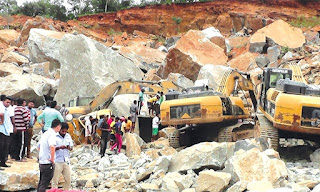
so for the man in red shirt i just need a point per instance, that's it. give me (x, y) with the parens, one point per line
(21, 119)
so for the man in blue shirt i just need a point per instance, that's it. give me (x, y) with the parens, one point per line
(5, 127)
(62, 166)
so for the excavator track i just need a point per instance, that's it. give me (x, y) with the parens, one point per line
(238, 131)
(267, 130)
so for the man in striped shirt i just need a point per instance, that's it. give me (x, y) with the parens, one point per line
(21, 118)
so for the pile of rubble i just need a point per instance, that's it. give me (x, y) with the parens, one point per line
(244, 165)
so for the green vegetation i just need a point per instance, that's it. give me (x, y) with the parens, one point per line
(177, 20)
(114, 32)
(302, 21)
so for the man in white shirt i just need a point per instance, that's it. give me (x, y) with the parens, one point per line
(62, 165)
(88, 129)
(155, 127)
(47, 149)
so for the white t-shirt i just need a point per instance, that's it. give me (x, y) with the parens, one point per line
(155, 122)
(11, 114)
(47, 139)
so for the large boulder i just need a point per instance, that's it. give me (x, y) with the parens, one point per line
(213, 73)
(37, 22)
(8, 36)
(91, 66)
(20, 176)
(212, 181)
(254, 165)
(132, 145)
(244, 62)
(190, 53)
(279, 32)
(202, 155)
(121, 104)
(144, 57)
(215, 37)
(28, 86)
(44, 45)
(180, 80)
(14, 57)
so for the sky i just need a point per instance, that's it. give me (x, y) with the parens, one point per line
(20, 2)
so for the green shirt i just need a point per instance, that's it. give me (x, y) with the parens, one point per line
(48, 115)
(141, 96)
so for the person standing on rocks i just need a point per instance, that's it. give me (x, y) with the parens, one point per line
(133, 112)
(140, 101)
(48, 115)
(118, 135)
(64, 111)
(105, 135)
(33, 119)
(47, 149)
(5, 128)
(21, 119)
(155, 127)
(128, 125)
(62, 163)
(88, 129)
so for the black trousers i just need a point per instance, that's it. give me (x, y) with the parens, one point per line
(19, 143)
(4, 148)
(46, 174)
(105, 137)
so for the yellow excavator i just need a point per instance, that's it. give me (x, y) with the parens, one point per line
(202, 114)
(286, 103)
(81, 107)
(289, 106)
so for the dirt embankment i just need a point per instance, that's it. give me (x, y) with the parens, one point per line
(227, 16)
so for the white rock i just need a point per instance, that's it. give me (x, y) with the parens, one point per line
(211, 32)
(204, 154)
(254, 165)
(180, 80)
(213, 73)
(212, 181)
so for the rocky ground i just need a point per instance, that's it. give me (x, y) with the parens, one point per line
(247, 165)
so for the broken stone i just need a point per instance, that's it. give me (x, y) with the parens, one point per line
(206, 154)
(144, 57)
(171, 41)
(254, 165)
(180, 80)
(244, 62)
(273, 54)
(8, 36)
(132, 145)
(281, 33)
(14, 57)
(213, 73)
(261, 186)
(176, 182)
(215, 37)
(212, 181)
(190, 53)
(262, 61)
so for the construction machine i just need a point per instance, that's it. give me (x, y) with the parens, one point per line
(82, 107)
(286, 104)
(202, 114)
(290, 107)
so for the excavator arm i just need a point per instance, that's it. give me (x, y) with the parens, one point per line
(107, 94)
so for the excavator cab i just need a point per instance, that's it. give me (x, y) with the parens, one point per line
(270, 78)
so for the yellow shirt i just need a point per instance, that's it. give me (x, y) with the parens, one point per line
(153, 99)
(129, 125)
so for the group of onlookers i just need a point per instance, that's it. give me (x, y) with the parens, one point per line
(16, 129)
(112, 128)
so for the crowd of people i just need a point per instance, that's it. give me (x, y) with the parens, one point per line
(17, 119)
(16, 129)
